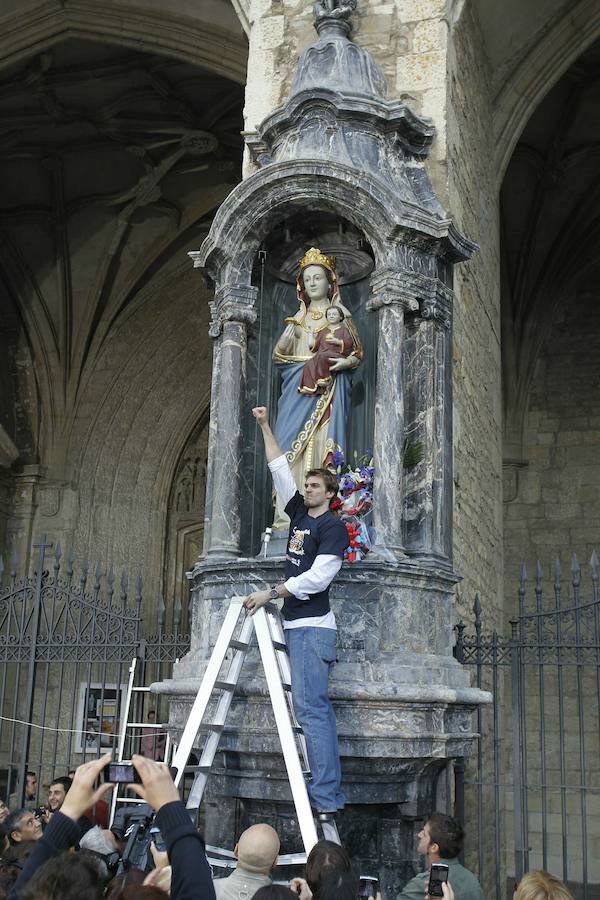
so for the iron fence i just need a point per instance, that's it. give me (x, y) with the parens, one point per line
(67, 640)
(533, 785)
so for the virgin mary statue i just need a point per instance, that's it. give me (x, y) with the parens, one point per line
(311, 424)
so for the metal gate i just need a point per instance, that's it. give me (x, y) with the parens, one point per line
(66, 643)
(530, 796)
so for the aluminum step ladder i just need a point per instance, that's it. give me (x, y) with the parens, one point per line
(126, 728)
(266, 623)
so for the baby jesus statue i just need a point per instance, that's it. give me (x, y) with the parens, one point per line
(331, 343)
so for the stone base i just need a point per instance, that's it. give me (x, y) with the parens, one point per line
(403, 707)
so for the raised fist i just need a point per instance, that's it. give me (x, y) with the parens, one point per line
(261, 414)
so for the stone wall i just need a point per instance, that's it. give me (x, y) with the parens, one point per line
(553, 502)
(477, 363)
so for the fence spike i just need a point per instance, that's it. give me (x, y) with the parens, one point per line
(124, 586)
(97, 576)
(70, 562)
(557, 572)
(110, 582)
(161, 611)
(57, 556)
(1, 568)
(523, 576)
(13, 564)
(138, 589)
(177, 611)
(538, 574)
(477, 611)
(575, 570)
(594, 565)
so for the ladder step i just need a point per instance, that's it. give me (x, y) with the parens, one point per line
(193, 769)
(225, 685)
(239, 645)
(140, 690)
(279, 645)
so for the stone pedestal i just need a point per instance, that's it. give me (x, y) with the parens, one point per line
(403, 707)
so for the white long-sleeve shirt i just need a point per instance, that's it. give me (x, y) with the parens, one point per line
(324, 568)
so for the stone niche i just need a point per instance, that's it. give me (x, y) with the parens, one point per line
(340, 167)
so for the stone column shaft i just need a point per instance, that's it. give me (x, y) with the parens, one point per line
(429, 423)
(233, 310)
(225, 442)
(389, 430)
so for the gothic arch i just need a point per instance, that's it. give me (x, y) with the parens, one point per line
(550, 228)
(537, 72)
(221, 48)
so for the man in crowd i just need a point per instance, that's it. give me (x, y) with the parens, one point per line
(30, 787)
(57, 792)
(22, 825)
(256, 854)
(440, 841)
(14, 800)
(315, 551)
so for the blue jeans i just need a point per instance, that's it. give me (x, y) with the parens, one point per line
(312, 657)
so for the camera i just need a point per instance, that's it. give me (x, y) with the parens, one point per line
(40, 811)
(134, 825)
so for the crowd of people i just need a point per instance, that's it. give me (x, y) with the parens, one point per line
(56, 852)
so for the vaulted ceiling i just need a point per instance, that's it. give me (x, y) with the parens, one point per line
(112, 163)
(550, 224)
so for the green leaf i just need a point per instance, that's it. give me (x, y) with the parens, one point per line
(413, 454)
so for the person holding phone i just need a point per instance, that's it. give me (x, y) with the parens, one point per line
(440, 842)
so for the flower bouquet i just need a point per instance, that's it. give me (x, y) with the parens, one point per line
(354, 501)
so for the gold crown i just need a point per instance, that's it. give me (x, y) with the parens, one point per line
(314, 257)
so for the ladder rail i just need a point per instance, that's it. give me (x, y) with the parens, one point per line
(285, 731)
(211, 743)
(278, 636)
(123, 735)
(203, 696)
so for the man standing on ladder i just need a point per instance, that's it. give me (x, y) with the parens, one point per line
(315, 551)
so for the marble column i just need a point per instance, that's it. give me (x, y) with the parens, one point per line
(388, 297)
(429, 423)
(233, 311)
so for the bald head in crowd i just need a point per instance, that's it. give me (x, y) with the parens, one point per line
(257, 849)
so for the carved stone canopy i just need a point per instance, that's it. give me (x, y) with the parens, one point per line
(337, 148)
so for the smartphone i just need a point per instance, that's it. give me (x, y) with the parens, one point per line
(122, 773)
(157, 839)
(437, 875)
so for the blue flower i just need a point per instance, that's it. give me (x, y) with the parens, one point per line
(338, 458)
(347, 483)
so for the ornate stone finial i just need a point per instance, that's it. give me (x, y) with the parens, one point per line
(314, 257)
(334, 63)
(333, 16)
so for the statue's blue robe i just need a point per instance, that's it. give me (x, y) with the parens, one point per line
(294, 410)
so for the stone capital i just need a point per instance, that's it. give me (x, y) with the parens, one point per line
(232, 303)
(439, 307)
(392, 287)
